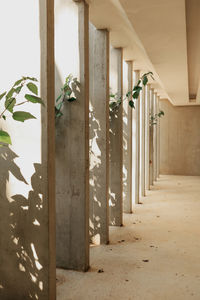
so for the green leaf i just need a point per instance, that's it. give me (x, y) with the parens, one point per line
(22, 116)
(33, 88)
(112, 96)
(58, 106)
(4, 117)
(128, 94)
(112, 105)
(18, 82)
(136, 95)
(9, 104)
(71, 99)
(59, 97)
(5, 138)
(131, 103)
(32, 78)
(145, 80)
(10, 93)
(18, 89)
(2, 95)
(34, 99)
(137, 88)
(68, 92)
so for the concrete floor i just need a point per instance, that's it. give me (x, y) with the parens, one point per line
(156, 255)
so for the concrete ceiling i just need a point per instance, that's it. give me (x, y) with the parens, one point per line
(154, 34)
(193, 48)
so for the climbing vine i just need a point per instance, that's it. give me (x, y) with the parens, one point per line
(154, 118)
(131, 96)
(11, 102)
(67, 93)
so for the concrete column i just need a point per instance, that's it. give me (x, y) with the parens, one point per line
(147, 137)
(158, 140)
(151, 140)
(136, 145)
(127, 139)
(116, 146)
(27, 182)
(99, 135)
(142, 142)
(155, 139)
(72, 137)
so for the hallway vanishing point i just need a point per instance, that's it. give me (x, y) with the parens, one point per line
(155, 255)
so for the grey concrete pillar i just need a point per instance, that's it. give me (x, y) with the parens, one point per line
(158, 140)
(99, 135)
(155, 139)
(27, 175)
(116, 145)
(127, 139)
(142, 142)
(72, 140)
(147, 137)
(136, 145)
(151, 140)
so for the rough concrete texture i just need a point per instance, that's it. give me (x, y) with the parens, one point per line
(72, 138)
(142, 142)
(154, 256)
(147, 137)
(151, 142)
(136, 144)
(158, 140)
(115, 139)
(127, 138)
(179, 140)
(155, 99)
(99, 135)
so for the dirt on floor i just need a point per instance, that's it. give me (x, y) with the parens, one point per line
(154, 256)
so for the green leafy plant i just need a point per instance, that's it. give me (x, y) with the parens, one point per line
(131, 96)
(154, 118)
(11, 102)
(68, 91)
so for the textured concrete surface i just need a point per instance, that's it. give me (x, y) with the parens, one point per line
(115, 139)
(142, 142)
(155, 140)
(72, 138)
(136, 144)
(154, 256)
(99, 135)
(179, 140)
(127, 138)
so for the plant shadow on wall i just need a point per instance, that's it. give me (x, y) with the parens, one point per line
(115, 105)
(97, 181)
(66, 120)
(22, 224)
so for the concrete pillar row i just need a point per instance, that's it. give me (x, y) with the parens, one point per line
(99, 135)
(151, 139)
(136, 144)
(155, 138)
(72, 139)
(127, 139)
(147, 137)
(115, 139)
(158, 139)
(142, 142)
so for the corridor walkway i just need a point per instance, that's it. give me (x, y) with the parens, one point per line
(155, 256)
